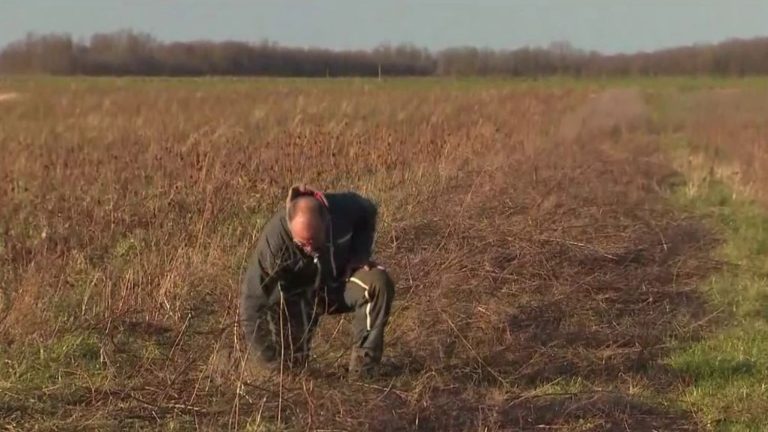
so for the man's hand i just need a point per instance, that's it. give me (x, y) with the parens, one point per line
(360, 265)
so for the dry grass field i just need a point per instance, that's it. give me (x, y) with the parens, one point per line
(552, 273)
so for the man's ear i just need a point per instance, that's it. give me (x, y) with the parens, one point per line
(294, 192)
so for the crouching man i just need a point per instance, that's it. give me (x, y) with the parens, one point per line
(314, 258)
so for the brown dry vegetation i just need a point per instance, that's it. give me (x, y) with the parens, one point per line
(540, 277)
(730, 129)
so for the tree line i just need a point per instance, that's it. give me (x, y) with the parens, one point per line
(131, 53)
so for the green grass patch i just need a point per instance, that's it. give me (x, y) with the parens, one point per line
(37, 365)
(33, 83)
(37, 379)
(728, 369)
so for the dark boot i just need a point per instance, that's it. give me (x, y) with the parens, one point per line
(280, 337)
(362, 364)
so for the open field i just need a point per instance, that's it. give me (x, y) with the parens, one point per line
(570, 255)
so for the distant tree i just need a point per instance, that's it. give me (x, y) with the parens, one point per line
(130, 53)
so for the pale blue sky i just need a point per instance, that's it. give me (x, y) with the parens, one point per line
(606, 25)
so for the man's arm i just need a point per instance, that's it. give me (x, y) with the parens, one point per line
(363, 232)
(261, 284)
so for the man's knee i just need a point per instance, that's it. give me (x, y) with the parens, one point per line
(380, 281)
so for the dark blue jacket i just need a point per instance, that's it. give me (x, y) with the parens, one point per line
(279, 265)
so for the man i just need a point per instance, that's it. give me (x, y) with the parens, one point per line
(314, 258)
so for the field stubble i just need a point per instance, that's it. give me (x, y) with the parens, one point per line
(540, 277)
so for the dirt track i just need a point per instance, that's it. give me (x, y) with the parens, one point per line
(605, 112)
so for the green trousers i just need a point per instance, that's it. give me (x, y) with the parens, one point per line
(283, 332)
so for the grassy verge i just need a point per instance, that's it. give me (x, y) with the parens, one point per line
(728, 369)
(33, 84)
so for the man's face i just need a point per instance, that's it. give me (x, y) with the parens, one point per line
(307, 227)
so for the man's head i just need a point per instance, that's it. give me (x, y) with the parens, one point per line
(306, 222)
